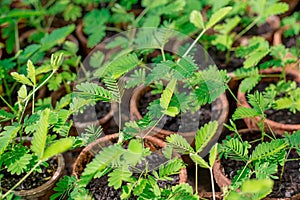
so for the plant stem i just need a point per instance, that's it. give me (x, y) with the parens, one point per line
(33, 96)
(153, 126)
(285, 160)
(196, 178)
(141, 15)
(212, 183)
(23, 179)
(113, 29)
(248, 28)
(121, 135)
(248, 162)
(163, 54)
(193, 44)
(38, 87)
(7, 104)
(232, 94)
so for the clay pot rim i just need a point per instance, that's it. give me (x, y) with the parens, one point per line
(279, 127)
(142, 89)
(49, 184)
(222, 180)
(183, 172)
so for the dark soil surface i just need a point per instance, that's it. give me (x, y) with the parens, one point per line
(183, 122)
(219, 57)
(283, 116)
(35, 180)
(287, 187)
(290, 41)
(101, 191)
(92, 113)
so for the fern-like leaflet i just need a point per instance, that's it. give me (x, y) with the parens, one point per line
(235, 149)
(268, 150)
(94, 91)
(102, 161)
(205, 134)
(179, 144)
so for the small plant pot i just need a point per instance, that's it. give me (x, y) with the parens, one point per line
(93, 148)
(279, 128)
(220, 113)
(46, 190)
(222, 179)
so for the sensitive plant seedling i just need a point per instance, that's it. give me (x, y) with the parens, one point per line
(203, 137)
(18, 158)
(208, 84)
(262, 162)
(254, 53)
(260, 11)
(119, 162)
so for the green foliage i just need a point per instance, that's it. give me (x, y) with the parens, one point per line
(294, 140)
(217, 16)
(235, 149)
(137, 78)
(252, 190)
(5, 116)
(56, 147)
(292, 22)
(119, 66)
(179, 144)
(91, 134)
(210, 84)
(268, 151)
(118, 175)
(205, 134)
(257, 101)
(38, 143)
(94, 91)
(101, 161)
(167, 95)
(172, 167)
(9, 133)
(64, 187)
(94, 25)
(56, 37)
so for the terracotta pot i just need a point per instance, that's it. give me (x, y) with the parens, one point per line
(209, 195)
(275, 126)
(220, 113)
(88, 153)
(223, 181)
(82, 38)
(44, 191)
